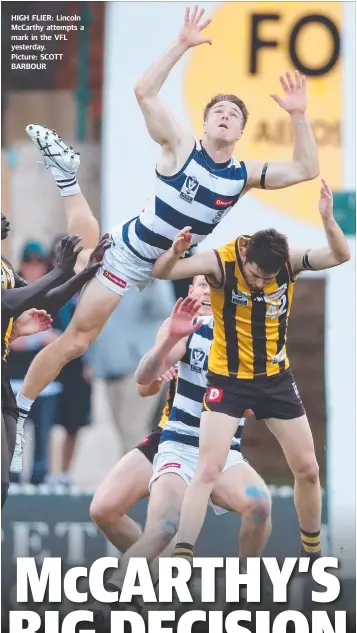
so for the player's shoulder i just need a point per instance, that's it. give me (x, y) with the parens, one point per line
(206, 325)
(227, 252)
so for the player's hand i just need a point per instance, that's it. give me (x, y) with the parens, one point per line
(182, 316)
(168, 375)
(295, 99)
(32, 322)
(326, 202)
(191, 32)
(182, 241)
(67, 252)
(96, 257)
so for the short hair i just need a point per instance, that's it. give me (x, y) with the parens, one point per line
(233, 99)
(269, 250)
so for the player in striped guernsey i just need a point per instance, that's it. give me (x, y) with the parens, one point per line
(187, 341)
(197, 183)
(252, 281)
(128, 481)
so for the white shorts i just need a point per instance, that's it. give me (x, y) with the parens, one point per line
(181, 459)
(122, 270)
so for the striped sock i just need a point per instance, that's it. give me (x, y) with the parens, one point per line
(184, 550)
(311, 543)
(66, 182)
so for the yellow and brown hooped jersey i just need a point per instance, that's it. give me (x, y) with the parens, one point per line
(250, 328)
(169, 401)
(8, 282)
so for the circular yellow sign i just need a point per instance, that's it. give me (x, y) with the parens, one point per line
(254, 43)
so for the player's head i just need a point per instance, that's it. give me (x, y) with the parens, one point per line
(224, 119)
(5, 227)
(200, 291)
(263, 256)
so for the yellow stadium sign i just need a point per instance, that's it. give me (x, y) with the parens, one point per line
(255, 42)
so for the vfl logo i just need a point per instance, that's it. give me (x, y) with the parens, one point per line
(197, 361)
(239, 298)
(189, 189)
(214, 394)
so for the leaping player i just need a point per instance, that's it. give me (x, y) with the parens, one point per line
(193, 177)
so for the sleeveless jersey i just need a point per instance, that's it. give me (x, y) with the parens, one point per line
(7, 281)
(183, 424)
(199, 195)
(250, 327)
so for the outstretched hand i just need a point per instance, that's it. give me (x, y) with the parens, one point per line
(191, 32)
(182, 241)
(326, 202)
(96, 257)
(32, 322)
(181, 318)
(295, 98)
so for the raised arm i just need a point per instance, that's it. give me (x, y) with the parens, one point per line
(170, 344)
(59, 296)
(335, 253)
(171, 265)
(17, 300)
(176, 141)
(304, 164)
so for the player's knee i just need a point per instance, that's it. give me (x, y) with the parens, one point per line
(308, 470)
(75, 343)
(258, 504)
(103, 513)
(168, 528)
(208, 472)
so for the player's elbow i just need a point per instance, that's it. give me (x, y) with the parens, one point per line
(142, 91)
(345, 255)
(142, 390)
(310, 171)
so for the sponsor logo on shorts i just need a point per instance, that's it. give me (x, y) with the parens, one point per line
(145, 441)
(239, 298)
(170, 465)
(214, 394)
(116, 280)
(296, 390)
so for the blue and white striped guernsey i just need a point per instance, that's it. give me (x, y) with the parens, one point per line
(184, 420)
(199, 195)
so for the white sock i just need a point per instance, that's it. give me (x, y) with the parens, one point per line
(24, 405)
(66, 182)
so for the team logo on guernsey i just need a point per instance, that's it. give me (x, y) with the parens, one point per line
(197, 360)
(189, 189)
(239, 298)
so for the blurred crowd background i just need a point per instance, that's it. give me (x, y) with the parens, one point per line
(91, 415)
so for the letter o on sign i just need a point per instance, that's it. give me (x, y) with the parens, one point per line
(331, 27)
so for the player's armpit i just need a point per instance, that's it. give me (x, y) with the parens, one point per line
(277, 174)
(162, 126)
(320, 258)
